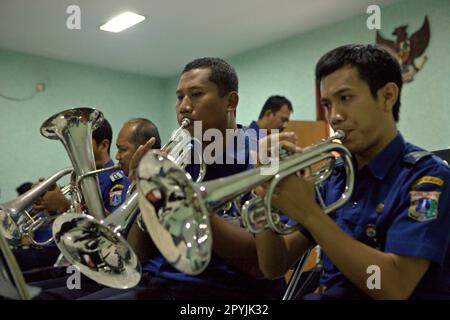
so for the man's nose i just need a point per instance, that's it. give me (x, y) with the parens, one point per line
(185, 105)
(336, 116)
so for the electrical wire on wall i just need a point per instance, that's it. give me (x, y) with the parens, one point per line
(40, 87)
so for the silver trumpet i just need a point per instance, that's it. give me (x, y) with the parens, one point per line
(32, 222)
(180, 147)
(176, 210)
(98, 246)
(13, 213)
(257, 213)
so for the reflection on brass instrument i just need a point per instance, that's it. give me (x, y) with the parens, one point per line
(32, 221)
(13, 213)
(180, 147)
(98, 247)
(176, 210)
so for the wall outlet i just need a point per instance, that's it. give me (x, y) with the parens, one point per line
(40, 87)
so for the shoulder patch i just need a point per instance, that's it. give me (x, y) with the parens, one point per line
(424, 205)
(115, 196)
(428, 179)
(416, 156)
(116, 176)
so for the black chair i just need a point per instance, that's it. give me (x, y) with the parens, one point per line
(444, 154)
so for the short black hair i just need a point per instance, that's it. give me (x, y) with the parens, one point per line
(144, 130)
(274, 104)
(24, 187)
(222, 74)
(376, 66)
(103, 132)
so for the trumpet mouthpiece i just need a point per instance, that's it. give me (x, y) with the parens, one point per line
(339, 134)
(185, 122)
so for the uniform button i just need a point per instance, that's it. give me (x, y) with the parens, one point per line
(354, 204)
(379, 208)
(371, 231)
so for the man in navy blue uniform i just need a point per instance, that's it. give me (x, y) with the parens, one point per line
(274, 114)
(113, 187)
(207, 92)
(391, 240)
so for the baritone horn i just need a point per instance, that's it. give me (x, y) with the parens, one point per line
(74, 127)
(98, 246)
(32, 224)
(12, 212)
(176, 210)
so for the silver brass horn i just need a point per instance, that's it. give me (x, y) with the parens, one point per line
(13, 211)
(74, 129)
(258, 215)
(180, 146)
(100, 253)
(176, 210)
(98, 247)
(32, 224)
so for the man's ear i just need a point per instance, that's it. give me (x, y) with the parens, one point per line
(104, 145)
(267, 113)
(233, 100)
(389, 94)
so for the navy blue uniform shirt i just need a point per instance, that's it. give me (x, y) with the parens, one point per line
(113, 187)
(400, 205)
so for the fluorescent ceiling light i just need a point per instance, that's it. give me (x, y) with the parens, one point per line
(122, 21)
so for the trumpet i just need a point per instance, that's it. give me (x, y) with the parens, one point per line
(13, 211)
(180, 146)
(32, 223)
(176, 210)
(98, 246)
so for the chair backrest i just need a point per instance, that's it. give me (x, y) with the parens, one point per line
(12, 283)
(443, 154)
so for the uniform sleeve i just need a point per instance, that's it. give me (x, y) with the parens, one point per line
(117, 194)
(422, 226)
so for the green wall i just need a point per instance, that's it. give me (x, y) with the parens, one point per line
(26, 155)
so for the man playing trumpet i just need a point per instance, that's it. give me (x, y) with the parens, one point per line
(391, 240)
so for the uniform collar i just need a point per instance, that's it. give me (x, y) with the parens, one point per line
(254, 125)
(110, 163)
(383, 162)
(234, 160)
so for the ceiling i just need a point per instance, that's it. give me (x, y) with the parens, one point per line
(175, 31)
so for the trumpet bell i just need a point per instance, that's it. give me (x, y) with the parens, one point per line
(175, 218)
(100, 253)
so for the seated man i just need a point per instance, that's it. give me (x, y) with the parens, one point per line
(113, 187)
(207, 93)
(274, 115)
(391, 240)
